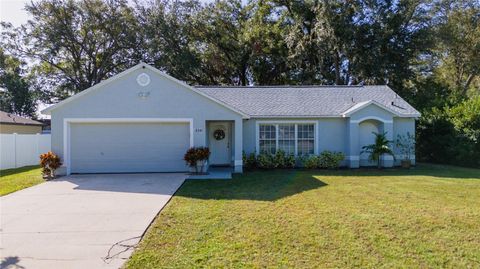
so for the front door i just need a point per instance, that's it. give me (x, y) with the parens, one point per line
(219, 143)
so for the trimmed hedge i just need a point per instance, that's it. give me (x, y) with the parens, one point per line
(326, 160)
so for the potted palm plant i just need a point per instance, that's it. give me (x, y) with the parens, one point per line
(406, 145)
(379, 148)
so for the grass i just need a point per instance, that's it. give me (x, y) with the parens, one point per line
(422, 218)
(12, 180)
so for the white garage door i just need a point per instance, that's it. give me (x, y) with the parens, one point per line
(128, 147)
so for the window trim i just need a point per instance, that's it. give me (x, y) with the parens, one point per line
(296, 122)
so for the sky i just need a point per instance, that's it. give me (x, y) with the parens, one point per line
(12, 11)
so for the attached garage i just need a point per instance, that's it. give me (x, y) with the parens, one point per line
(127, 146)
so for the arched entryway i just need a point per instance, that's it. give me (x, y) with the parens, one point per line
(366, 130)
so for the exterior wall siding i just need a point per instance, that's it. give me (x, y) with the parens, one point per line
(333, 134)
(372, 111)
(20, 129)
(402, 126)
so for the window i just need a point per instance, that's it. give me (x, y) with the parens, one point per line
(286, 138)
(268, 142)
(297, 139)
(306, 140)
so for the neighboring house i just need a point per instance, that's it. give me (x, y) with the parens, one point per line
(10, 123)
(46, 129)
(143, 120)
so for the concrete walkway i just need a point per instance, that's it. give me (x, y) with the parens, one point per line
(215, 173)
(81, 221)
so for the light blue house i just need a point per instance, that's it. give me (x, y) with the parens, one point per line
(143, 120)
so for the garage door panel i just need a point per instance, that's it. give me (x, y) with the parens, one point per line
(128, 147)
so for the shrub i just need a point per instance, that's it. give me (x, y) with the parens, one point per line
(300, 161)
(195, 155)
(265, 161)
(406, 145)
(203, 153)
(290, 161)
(311, 162)
(327, 159)
(279, 159)
(249, 161)
(330, 159)
(49, 162)
(451, 135)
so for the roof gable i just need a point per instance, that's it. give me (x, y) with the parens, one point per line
(130, 70)
(365, 104)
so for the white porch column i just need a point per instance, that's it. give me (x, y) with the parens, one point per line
(238, 162)
(387, 160)
(353, 157)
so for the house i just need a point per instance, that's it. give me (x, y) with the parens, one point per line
(46, 126)
(10, 124)
(143, 120)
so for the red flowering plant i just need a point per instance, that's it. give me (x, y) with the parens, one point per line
(49, 162)
(197, 156)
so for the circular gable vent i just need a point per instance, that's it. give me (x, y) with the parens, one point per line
(143, 79)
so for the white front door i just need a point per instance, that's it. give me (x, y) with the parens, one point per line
(219, 143)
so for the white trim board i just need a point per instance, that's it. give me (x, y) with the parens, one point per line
(68, 121)
(371, 118)
(128, 71)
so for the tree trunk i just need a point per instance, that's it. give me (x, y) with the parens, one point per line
(467, 84)
(338, 80)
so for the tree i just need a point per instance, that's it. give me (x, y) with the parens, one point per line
(348, 42)
(16, 96)
(225, 51)
(265, 32)
(76, 44)
(379, 148)
(451, 135)
(459, 46)
(169, 42)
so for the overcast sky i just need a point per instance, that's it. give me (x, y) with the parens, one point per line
(13, 11)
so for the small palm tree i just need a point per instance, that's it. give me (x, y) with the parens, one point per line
(379, 148)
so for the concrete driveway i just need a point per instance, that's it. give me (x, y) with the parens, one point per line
(81, 221)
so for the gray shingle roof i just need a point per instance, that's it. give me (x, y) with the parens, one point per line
(8, 118)
(306, 101)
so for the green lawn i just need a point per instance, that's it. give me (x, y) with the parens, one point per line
(19, 178)
(422, 218)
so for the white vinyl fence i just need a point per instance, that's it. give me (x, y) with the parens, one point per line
(19, 150)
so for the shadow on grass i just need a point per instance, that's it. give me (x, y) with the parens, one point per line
(276, 184)
(256, 185)
(11, 263)
(422, 169)
(8, 172)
